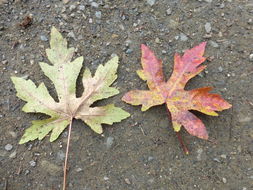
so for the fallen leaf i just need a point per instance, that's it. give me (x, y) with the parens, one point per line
(63, 73)
(172, 93)
(26, 22)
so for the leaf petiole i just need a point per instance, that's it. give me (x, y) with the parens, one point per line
(184, 147)
(186, 151)
(66, 157)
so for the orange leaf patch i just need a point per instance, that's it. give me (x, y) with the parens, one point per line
(178, 100)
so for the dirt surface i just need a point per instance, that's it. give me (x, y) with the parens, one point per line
(141, 152)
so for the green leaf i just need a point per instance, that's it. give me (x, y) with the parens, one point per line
(63, 73)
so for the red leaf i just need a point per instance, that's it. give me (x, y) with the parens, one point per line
(178, 100)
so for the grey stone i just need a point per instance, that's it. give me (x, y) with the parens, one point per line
(113, 55)
(150, 158)
(98, 14)
(8, 147)
(251, 57)
(157, 40)
(13, 154)
(12, 133)
(213, 44)
(43, 38)
(168, 11)
(81, 7)
(183, 37)
(208, 27)
(220, 69)
(216, 160)
(4, 62)
(199, 153)
(151, 2)
(79, 169)
(94, 4)
(128, 51)
(32, 163)
(72, 7)
(109, 142)
(27, 172)
(71, 35)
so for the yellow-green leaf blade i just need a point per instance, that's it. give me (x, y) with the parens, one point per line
(96, 116)
(98, 87)
(64, 77)
(38, 99)
(58, 53)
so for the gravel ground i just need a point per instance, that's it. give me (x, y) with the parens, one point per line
(141, 152)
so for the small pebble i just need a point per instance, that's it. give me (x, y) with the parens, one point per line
(222, 5)
(164, 52)
(106, 178)
(224, 180)
(183, 37)
(128, 51)
(79, 169)
(12, 133)
(32, 163)
(199, 153)
(98, 14)
(113, 55)
(208, 27)
(109, 142)
(81, 7)
(251, 57)
(94, 4)
(127, 181)
(72, 7)
(43, 38)
(224, 156)
(213, 44)
(71, 35)
(168, 11)
(13, 154)
(27, 172)
(8, 147)
(150, 158)
(216, 160)
(151, 2)
(4, 62)
(220, 69)
(157, 40)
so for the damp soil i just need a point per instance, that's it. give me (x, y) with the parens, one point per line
(141, 152)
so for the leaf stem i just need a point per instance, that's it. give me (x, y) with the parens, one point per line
(186, 151)
(66, 157)
(184, 147)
